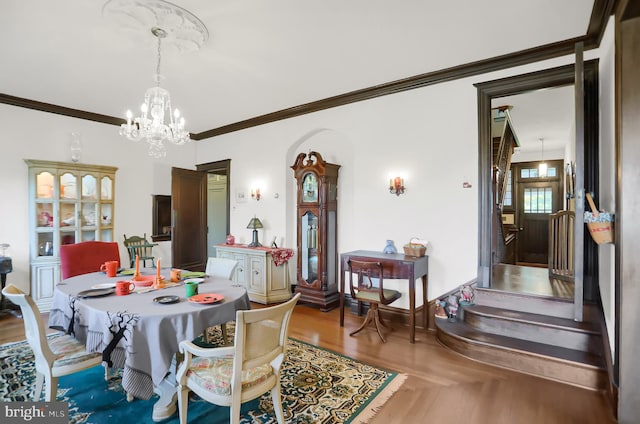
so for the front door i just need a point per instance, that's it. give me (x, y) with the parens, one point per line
(537, 198)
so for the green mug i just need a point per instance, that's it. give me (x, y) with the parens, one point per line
(191, 289)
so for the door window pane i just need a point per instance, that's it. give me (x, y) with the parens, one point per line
(538, 200)
(507, 195)
(533, 172)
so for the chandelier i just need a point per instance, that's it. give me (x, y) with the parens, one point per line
(158, 122)
(150, 125)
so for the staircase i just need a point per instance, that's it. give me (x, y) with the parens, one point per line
(531, 334)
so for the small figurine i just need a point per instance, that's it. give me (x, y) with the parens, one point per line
(467, 295)
(453, 305)
(440, 312)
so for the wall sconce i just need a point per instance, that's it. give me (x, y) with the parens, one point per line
(396, 186)
(255, 194)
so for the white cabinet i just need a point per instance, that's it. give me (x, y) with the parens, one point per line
(68, 203)
(265, 282)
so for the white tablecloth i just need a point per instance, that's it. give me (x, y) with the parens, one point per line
(135, 333)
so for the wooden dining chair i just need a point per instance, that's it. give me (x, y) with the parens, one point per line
(232, 375)
(368, 287)
(86, 257)
(62, 355)
(222, 268)
(140, 247)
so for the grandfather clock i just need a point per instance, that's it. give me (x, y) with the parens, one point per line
(317, 224)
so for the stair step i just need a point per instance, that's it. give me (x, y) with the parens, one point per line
(539, 328)
(569, 366)
(537, 304)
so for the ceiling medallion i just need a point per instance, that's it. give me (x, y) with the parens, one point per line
(183, 29)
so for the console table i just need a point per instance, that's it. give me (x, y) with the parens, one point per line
(395, 266)
(263, 271)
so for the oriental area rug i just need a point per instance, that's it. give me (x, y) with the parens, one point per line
(318, 386)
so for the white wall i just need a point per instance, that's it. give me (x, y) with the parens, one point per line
(429, 134)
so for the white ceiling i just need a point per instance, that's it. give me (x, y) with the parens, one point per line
(262, 56)
(544, 114)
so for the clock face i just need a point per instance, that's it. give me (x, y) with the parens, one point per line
(310, 188)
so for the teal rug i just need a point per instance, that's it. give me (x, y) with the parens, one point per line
(318, 386)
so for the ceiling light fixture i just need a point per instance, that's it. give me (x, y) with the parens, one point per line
(150, 125)
(542, 167)
(181, 29)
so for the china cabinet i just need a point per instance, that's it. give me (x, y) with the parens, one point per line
(317, 222)
(68, 203)
(256, 271)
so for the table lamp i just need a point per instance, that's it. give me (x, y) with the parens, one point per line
(254, 224)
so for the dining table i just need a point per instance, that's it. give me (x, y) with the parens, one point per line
(140, 332)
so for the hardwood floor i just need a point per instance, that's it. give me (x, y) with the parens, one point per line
(531, 280)
(442, 386)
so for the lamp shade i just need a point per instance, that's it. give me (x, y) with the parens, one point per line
(254, 223)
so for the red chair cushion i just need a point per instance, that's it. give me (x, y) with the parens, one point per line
(86, 257)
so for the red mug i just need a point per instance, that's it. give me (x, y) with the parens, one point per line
(124, 288)
(110, 267)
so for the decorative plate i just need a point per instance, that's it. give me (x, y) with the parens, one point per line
(194, 280)
(96, 292)
(104, 286)
(206, 298)
(166, 300)
(144, 280)
(126, 271)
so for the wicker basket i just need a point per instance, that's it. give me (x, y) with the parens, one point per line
(414, 249)
(601, 232)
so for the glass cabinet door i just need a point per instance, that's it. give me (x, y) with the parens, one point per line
(68, 186)
(106, 188)
(44, 185)
(89, 187)
(309, 231)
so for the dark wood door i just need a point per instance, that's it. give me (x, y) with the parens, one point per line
(536, 200)
(189, 209)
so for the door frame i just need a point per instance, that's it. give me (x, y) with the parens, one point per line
(554, 77)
